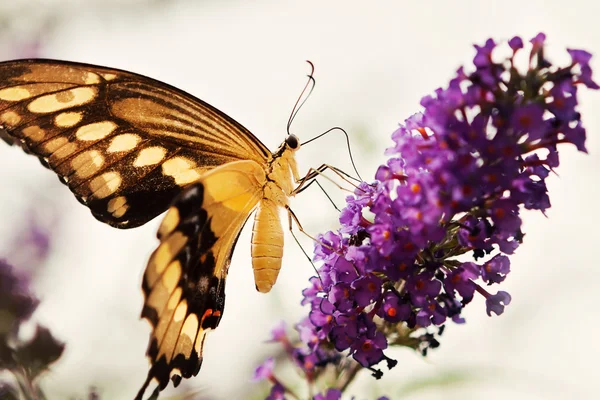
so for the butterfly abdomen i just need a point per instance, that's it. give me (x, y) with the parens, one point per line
(267, 245)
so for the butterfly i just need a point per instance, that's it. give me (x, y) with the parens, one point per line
(129, 148)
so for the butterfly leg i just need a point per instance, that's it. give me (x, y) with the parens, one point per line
(313, 173)
(291, 216)
(314, 180)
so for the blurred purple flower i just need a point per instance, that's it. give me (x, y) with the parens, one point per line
(265, 370)
(277, 393)
(25, 359)
(17, 302)
(30, 246)
(331, 394)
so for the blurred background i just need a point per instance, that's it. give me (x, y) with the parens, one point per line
(373, 64)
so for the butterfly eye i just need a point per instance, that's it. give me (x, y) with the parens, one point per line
(292, 142)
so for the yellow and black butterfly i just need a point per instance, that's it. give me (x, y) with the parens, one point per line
(129, 148)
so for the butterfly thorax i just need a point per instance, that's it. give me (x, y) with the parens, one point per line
(282, 172)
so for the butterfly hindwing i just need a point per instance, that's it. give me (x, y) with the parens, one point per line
(184, 281)
(125, 144)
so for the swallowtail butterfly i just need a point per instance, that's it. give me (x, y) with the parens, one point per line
(129, 148)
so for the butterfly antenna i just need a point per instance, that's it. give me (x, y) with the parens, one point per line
(347, 144)
(310, 85)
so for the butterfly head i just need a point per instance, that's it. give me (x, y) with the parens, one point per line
(289, 146)
(292, 142)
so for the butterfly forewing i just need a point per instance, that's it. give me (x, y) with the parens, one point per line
(125, 144)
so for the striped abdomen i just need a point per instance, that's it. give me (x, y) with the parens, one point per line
(267, 245)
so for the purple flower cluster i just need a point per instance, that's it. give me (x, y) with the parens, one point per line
(459, 174)
(279, 391)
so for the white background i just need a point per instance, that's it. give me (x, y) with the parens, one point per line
(374, 60)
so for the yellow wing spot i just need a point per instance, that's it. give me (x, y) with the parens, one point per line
(121, 211)
(109, 77)
(150, 156)
(65, 151)
(124, 142)
(180, 312)
(10, 117)
(65, 96)
(165, 313)
(68, 119)
(55, 144)
(105, 184)
(159, 298)
(190, 327)
(65, 99)
(87, 164)
(116, 203)
(171, 276)
(95, 131)
(118, 206)
(163, 255)
(172, 334)
(187, 336)
(34, 133)
(14, 94)
(60, 147)
(91, 78)
(181, 169)
(169, 223)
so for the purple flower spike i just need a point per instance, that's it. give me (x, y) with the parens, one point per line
(459, 175)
